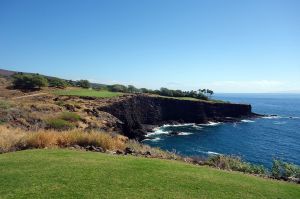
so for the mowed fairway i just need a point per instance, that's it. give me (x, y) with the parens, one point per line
(78, 174)
(87, 93)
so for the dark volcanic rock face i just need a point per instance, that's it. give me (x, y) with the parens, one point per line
(139, 111)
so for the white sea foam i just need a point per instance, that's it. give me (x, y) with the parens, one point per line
(197, 127)
(281, 117)
(184, 133)
(157, 132)
(291, 117)
(208, 152)
(155, 139)
(271, 117)
(178, 125)
(213, 153)
(248, 121)
(162, 131)
(279, 123)
(211, 124)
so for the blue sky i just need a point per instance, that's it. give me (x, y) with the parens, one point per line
(225, 45)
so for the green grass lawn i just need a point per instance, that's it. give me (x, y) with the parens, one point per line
(76, 174)
(194, 99)
(88, 93)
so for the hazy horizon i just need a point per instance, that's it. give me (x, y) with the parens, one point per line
(227, 46)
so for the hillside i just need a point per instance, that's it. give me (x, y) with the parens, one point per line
(130, 114)
(74, 174)
(7, 72)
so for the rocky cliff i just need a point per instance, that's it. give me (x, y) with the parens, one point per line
(139, 112)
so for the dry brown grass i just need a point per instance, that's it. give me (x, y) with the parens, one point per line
(13, 139)
(9, 139)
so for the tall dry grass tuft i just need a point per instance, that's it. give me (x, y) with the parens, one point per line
(104, 140)
(39, 140)
(11, 139)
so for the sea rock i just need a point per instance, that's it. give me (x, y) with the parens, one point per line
(76, 146)
(129, 150)
(119, 152)
(173, 133)
(94, 148)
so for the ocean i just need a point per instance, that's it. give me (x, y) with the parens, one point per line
(255, 140)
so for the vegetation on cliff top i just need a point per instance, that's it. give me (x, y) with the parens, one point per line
(77, 174)
(88, 93)
(36, 81)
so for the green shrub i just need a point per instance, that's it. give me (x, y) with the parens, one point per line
(236, 164)
(56, 82)
(60, 103)
(284, 170)
(132, 89)
(29, 81)
(2, 121)
(69, 116)
(59, 124)
(4, 105)
(83, 83)
(117, 88)
(276, 167)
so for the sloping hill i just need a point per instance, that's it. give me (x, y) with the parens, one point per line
(75, 174)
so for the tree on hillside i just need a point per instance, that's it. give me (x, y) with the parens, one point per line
(166, 92)
(118, 88)
(209, 92)
(71, 83)
(56, 82)
(29, 81)
(144, 90)
(132, 89)
(83, 83)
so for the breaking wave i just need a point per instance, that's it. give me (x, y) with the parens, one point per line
(280, 123)
(184, 133)
(211, 124)
(157, 132)
(272, 117)
(247, 121)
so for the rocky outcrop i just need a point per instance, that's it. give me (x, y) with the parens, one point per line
(141, 111)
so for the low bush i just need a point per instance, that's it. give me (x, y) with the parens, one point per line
(235, 164)
(4, 105)
(83, 84)
(56, 82)
(2, 121)
(69, 116)
(284, 170)
(60, 103)
(59, 124)
(155, 152)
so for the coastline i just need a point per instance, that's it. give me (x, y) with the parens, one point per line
(140, 114)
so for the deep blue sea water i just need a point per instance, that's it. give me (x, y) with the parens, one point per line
(257, 140)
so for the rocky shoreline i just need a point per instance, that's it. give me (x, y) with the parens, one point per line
(140, 114)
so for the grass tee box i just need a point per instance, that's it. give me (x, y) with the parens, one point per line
(88, 93)
(79, 174)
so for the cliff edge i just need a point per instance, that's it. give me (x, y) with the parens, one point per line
(138, 112)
